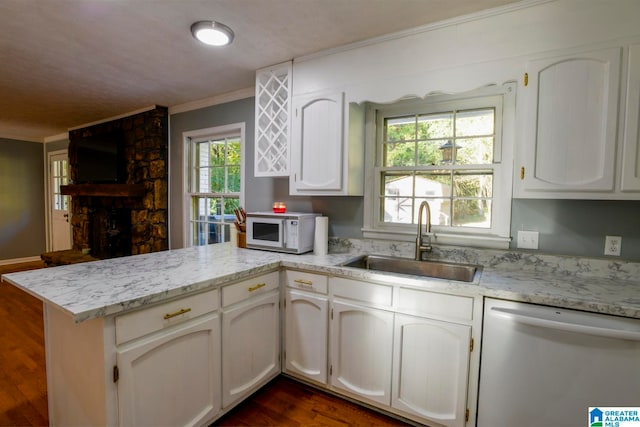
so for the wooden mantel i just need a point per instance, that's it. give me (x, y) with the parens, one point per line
(104, 190)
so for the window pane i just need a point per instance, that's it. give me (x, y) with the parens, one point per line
(233, 177)
(400, 129)
(397, 184)
(229, 206)
(397, 209)
(474, 151)
(472, 213)
(473, 183)
(475, 122)
(202, 154)
(440, 211)
(433, 126)
(217, 153)
(400, 154)
(433, 184)
(233, 152)
(202, 180)
(217, 180)
(430, 153)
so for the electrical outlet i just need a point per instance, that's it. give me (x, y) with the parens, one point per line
(612, 245)
(527, 239)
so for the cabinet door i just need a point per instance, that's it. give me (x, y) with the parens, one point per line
(250, 346)
(172, 379)
(273, 100)
(361, 340)
(630, 180)
(430, 371)
(317, 144)
(570, 123)
(306, 335)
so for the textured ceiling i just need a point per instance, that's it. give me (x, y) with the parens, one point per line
(65, 63)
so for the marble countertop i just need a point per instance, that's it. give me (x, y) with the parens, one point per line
(103, 288)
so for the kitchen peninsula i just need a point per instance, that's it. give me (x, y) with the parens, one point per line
(96, 314)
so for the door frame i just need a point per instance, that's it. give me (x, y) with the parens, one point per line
(48, 194)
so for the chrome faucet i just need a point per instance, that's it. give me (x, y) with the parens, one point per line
(420, 246)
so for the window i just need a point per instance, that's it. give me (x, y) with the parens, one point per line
(446, 150)
(59, 177)
(215, 183)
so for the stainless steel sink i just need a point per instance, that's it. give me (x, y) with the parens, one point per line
(437, 269)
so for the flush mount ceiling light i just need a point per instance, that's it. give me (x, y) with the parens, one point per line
(212, 33)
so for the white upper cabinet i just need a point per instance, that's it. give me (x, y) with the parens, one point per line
(327, 150)
(273, 120)
(570, 124)
(630, 176)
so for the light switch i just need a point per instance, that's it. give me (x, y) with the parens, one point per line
(527, 239)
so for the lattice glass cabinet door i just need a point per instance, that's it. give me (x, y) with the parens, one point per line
(273, 120)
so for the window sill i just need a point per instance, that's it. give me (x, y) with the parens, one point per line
(473, 240)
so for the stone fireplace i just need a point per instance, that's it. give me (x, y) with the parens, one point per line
(126, 218)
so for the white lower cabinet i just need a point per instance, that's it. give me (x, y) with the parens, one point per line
(251, 345)
(361, 341)
(430, 366)
(173, 378)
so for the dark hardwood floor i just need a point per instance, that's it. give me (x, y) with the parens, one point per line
(285, 402)
(23, 381)
(23, 384)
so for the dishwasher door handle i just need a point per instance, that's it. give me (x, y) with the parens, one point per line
(541, 321)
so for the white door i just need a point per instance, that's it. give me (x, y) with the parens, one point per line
(60, 232)
(430, 369)
(174, 379)
(361, 341)
(251, 343)
(306, 335)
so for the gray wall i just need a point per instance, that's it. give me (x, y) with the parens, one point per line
(22, 207)
(579, 227)
(571, 227)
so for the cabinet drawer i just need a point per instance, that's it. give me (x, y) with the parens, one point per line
(307, 281)
(442, 306)
(380, 295)
(155, 318)
(248, 288)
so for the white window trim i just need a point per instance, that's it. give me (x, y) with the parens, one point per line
(499, 236)
(213, 132)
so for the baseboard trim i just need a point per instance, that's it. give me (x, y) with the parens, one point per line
(19, 260)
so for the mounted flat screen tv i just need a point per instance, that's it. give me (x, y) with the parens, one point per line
(100, 159)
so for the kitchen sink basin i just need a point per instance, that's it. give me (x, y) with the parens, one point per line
(436, 269)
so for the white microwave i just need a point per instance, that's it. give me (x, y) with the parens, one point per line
(291, 232)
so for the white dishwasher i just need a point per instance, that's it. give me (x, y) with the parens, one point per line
(544, 366)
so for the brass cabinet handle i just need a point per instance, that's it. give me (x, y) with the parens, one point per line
(304, 282)
(256, 287)
(177, 313)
